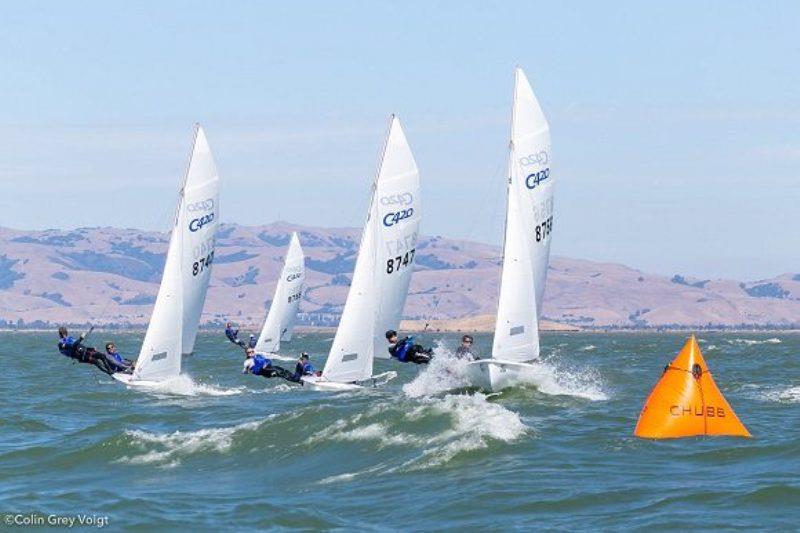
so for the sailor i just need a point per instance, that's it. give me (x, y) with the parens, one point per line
(74, 349)
(304, 368)
(252, 341)
(406, 351)
(259, 365)
(466, 351)
(233, 335)
(116, 361)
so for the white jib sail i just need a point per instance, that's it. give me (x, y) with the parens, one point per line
(288, 292)
(529, 223)
(384, 264)
(175, 318)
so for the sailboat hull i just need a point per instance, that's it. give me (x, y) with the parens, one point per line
(320, 383)
(127, 379)
(492, 375)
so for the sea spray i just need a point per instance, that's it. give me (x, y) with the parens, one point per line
(550, 376)
(184, 385)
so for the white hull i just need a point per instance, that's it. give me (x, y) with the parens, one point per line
(492, 375)
(320, 383)
(127, 379)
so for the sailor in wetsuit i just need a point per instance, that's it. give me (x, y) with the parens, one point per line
(304, 368)
(405, 351)
(74, 349)
(116, 361)
(233, 335)
(259, 365)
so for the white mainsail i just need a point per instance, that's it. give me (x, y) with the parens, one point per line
(187, 270)
(383, 267)
(288, 292)
(529, 222)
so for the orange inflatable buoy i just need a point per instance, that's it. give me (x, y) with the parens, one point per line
(686, 402)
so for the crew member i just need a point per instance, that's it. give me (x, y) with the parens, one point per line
(406, 351)
(74, 349)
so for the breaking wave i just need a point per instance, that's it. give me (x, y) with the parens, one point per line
(471, 423)
(447, 373)
(184, 385)
(789, 395)
(167, 449)
(751, 342)
(475, 423)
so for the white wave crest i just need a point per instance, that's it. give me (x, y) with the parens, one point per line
(377, 432)
(167, 449)
(471, 422)
(589, 348)
(790, 395)
(552, 378)
(184, 385)
(444, 373)
(752, 342)
(475, 423)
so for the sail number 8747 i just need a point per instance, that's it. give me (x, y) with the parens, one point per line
(399, 262)
(544, 229)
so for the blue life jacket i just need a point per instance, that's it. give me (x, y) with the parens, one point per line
(302, 369)
(232, 334)
(260, 363)
(402, 349)
(117, 357)
(67, 346)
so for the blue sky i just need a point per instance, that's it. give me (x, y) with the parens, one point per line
(676, 126)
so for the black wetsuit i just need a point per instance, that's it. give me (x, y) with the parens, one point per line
(233, 336)
(84, 354)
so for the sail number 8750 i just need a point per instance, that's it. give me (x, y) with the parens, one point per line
(397, 263)
(544, 229)
(202, 264)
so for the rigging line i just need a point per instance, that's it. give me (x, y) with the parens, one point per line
(430, 315)
(489, 192)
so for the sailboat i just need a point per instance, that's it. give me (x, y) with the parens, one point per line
(280, 320)
(173, 325)
(526, 247)
(382, 272)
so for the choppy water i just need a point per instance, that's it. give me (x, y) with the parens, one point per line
(221, 449)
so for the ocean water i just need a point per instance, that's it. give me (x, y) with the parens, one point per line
(216, 449)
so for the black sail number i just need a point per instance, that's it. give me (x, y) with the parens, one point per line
(544, 229)
(396, 264)
(202, 264)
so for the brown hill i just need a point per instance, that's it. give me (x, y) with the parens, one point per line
(111, 275)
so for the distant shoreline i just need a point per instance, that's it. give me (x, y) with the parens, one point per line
(331, 330)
